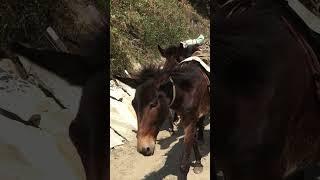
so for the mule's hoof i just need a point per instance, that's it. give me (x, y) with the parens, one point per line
(198, 169)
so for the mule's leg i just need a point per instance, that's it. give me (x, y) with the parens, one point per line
(198, 167)
(190, 129)
(171, 122)
(200, 128)
(175, 121)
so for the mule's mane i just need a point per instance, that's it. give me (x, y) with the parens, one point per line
(149, 72)
(183, 76)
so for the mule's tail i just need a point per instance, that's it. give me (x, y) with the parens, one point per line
(75, 69)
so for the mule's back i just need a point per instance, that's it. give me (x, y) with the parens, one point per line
(264, 95)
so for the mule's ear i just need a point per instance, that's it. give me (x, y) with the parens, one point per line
(161, 51)
(181, 46)
(129, 81)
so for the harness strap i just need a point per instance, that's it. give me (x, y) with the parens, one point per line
(195, 58)
(312, 60)
(173, 91)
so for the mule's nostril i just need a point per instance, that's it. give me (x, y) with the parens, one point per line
(146, 151)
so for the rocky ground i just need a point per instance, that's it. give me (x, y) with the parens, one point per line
(127, 163)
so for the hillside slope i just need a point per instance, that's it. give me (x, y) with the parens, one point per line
(138, 26)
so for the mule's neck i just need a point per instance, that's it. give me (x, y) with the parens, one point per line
(170, 64)
(168, 89)
(173, 93)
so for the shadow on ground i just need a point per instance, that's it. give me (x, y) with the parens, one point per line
(171, 166)
(166, 142)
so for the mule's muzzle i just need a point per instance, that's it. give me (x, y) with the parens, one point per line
(146, 146)
(147, 151)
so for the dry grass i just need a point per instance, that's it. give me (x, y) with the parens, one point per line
(138, 26)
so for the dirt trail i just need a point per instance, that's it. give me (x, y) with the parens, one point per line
(127, 163)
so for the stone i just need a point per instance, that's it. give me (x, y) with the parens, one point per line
(69, 95)
(115, 139)
(122, 115)
(16, 95)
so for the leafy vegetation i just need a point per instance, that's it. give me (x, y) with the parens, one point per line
(138, 26)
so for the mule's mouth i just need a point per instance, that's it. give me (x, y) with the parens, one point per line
(148, 154)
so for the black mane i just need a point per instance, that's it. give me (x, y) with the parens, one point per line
(183, 76)
(149, 72)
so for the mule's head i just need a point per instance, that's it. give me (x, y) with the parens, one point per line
(151, 106)
(173, 55)
(176, 54)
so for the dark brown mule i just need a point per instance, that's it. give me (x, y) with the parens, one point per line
(155, 95)
(174, 55)
(267, 115)
(88, 131)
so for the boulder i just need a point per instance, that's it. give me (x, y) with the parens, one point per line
(27, 152)
(122, 115)
(69, 95)
(16, 95)
(115, 139)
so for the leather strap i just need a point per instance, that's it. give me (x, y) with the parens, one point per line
(173, 91)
